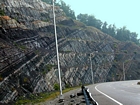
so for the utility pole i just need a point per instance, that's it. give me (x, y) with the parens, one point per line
(123, 72)
(124, 66)
(61, 95)
(91, 69)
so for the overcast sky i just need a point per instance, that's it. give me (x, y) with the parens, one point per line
(118, 12)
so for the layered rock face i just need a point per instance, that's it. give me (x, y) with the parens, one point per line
(28, 55)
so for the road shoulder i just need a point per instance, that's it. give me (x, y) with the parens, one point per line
(100, 98)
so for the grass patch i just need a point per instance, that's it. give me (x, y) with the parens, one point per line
(32, 99)
(56, 86)
(93, 29)
(22, 47)
(42, 97)
(46, 20)
(2, 13)
(49, 67)
(79, 24)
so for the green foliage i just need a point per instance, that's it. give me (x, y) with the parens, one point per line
(104, 27)
(32, 99)
(14, 43)
(65, 51)
(80, 84)
(1, 78)
(79, 24)
(115, 61)
(67, 85)
(66, 8)
(25, 79)
(115, 45)
(122, 34)
(90, 20)
(22, 102)
(56, 86)
(32, 96)
(135, 52)
(126, 61)
(46, 20)
(23, 47)
(49, 66)
(16, 18)
(2, 13)
(13, 89)
(41, 97)
(36, 51)
(125, 51)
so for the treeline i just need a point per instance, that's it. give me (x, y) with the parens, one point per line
(122, 34)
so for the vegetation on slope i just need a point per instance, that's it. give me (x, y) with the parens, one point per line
(41, 97)
(122, 34)
(66, 8)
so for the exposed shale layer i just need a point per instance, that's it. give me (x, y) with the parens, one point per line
(28, 54)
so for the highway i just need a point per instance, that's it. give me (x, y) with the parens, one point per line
(116, 93)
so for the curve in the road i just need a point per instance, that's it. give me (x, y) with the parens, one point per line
(108, 96)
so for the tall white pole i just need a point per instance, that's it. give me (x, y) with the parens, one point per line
(91, 69)
(57, 51)
(123, 72)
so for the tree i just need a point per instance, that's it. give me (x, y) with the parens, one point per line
(133, 37)
(90, 20)
(104, 27)
(112, 30)
(98, 24)
(83, 18)
(119, 34)
(123, 34)
(66, 8)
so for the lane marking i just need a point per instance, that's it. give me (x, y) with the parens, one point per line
(108, 96)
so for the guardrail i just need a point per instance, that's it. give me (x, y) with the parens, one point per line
(88, 98)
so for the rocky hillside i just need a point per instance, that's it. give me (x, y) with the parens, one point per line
(28, 55)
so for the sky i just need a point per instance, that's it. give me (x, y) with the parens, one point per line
(118, 12)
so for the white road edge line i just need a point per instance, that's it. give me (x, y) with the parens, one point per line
(108, 96)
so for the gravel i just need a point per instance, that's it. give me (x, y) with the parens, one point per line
(70, 98)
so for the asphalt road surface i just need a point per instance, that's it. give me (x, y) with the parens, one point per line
(116, 93)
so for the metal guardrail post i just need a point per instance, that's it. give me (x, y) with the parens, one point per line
(88, 98)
